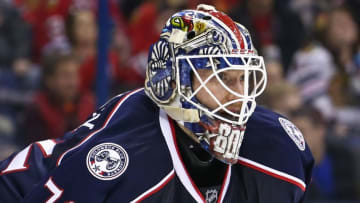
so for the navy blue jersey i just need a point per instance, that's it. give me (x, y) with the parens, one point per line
(127, 152)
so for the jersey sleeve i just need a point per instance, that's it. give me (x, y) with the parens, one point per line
(107, 153)
(35, 172)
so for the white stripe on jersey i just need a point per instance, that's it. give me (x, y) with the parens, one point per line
(155, 187)
(103, 127)
(275, 173)
(179, 168)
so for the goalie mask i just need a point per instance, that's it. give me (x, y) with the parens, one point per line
(196, 49)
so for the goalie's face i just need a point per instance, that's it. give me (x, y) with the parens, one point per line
(222, 87)
(234, 79)
(224, 94)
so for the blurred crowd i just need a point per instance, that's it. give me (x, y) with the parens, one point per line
(48, 64)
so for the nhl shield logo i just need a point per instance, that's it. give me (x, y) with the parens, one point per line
(294, 133)
(107, 161)
(211, 196)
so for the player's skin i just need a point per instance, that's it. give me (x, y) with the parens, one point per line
(234, 79)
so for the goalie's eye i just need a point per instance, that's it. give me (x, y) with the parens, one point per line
(242, 77)
(227, 79)
(223, 76)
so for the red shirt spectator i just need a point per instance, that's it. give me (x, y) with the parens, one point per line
(60, 106)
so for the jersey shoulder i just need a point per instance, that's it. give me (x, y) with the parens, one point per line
(111, 149)
(135, 104)
(275, 145)
(126, 120)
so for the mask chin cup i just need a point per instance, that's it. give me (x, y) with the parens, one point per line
(181, 114)
(222, 140)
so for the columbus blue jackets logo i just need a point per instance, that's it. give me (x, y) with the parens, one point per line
(294, 133)
(107, 161)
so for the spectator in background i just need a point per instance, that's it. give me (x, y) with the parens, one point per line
(59, 106)
(311, 71)
(15, 40)
(18, 77)
(272, 25)
(127, 75)
(81, 31)
(342, 38)
(39, 14)
(44, 17)
(326, 72)
(282, 97)
(130, 44)
(58, 42)
(274, 67)
(313, 128)
(148, 18)
(335, 175)
(275, 72)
